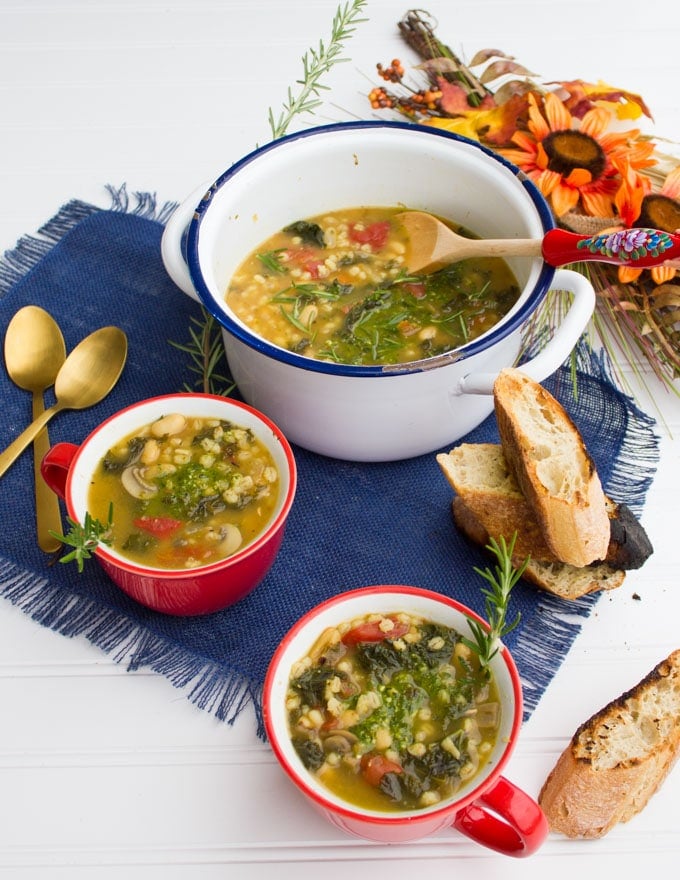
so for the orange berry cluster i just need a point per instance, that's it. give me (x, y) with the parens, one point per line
(393, 73)
(379, 99)
(427, 97)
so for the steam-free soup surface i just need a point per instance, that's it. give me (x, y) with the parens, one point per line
(392, 712)
(335, 288)
(185, 491)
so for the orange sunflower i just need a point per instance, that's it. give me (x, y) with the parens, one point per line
(571, 161)
(639, 206)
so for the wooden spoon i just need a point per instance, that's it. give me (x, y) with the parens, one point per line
(34, 353)
(432, 245)
(86, 377)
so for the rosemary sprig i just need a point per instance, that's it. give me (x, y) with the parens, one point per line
(272, 262)
(206, 350)
(485, 642)
(315, 64)
(85, 538)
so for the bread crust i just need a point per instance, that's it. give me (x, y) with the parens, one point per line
(552, 466)
(618, 758)
(481, 477)
(559, 578)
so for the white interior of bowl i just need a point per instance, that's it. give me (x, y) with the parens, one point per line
(383, 600)
(349, 167)
(131, 419)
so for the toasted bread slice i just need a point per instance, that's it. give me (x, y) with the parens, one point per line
(481, 477)
(559, 578)
(617, 759)
(552, 466)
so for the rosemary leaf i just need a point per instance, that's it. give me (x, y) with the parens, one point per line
(207, 355)
(85, 538)
(315, 64)
(485, 642)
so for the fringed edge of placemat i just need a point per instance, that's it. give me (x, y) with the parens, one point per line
(635, 466)
(560, 623)
(205, 684)
(30, 249)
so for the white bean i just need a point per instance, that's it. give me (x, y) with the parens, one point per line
(151, 452)
(168, 425)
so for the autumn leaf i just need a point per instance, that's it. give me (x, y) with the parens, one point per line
(494, 126)
(454, 99)
(503, 68)
(484, 54)
(580, 96)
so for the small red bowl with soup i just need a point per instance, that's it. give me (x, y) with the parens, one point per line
(379, 711)
(198, 489)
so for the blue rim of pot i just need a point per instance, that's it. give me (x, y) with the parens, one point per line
(476, 346)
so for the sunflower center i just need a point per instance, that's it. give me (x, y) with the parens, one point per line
(659, 212)
(567, 150)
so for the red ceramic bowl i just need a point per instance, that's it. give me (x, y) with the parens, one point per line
(67, 469)
(489, 809)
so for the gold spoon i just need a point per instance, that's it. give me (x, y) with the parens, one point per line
(86, 377)
(34, 353)
(433, 245)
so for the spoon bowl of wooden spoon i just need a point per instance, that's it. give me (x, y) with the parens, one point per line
(433, 245)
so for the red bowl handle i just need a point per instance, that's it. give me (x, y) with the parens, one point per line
(525, 826)
(56, 465)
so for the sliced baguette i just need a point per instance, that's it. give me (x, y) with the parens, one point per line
(481, 477)
(554, 471)
(617, 759)
(559, 578)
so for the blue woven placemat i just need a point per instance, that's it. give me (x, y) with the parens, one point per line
(352, 524)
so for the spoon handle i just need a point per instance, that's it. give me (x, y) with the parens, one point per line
(47, 512)
(14, 450)
(639, 248)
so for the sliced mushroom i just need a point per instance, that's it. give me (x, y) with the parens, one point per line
(340, 741)
(135, 484)
(488, 714)
(231, 541)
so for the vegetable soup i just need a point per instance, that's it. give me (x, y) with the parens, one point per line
(392, 712)
(336, 288)
(185, 491)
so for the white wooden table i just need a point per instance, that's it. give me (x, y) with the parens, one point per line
(106, 774)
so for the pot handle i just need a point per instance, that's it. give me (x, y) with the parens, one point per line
(516, 827)
(172, 241)
(56, 465)
(558, 349)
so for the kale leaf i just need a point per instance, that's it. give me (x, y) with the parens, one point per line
(310, 233)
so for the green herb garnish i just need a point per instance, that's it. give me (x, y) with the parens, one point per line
(270, 260)
(485, 642)
(208, 357)
(315, 64)
(85, 538)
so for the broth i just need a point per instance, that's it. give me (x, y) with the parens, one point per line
(335, 288)
(392, 712)
(185, 491)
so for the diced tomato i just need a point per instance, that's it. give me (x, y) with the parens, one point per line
(371, 632)
(306, 259)
(176, 556)
(375, 234)
(408, 328)
(374, 766)
(158, 526)
(415, 288)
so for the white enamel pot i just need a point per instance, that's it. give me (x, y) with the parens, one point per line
(371, 413)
